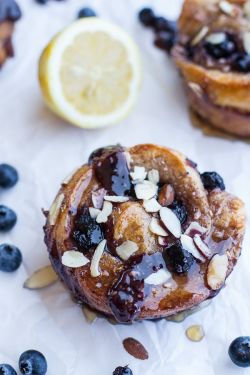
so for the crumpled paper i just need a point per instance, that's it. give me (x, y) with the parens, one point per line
(45, 149)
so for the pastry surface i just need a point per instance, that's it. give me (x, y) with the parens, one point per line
(160, 271)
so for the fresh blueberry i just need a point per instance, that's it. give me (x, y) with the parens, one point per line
(242, 64)
(178, 260)
(165, 40)
(8, 176)
(9, 10)
(7, 370)
(212, 180)
(162, 24)
(32, 362)
(123, 371)
(221, 50)
(239, 351)
(87, 232)
(86, 12)
(10, 258)
(8, 218)
(42, 2)
(180, 211)
(147, 17)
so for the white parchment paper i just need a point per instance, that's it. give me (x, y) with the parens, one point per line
(45, 149)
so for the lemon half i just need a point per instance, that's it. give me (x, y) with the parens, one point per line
(90, 73)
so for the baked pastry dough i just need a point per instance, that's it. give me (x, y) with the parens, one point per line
(138, 233)
(213, 56)
(9, 14)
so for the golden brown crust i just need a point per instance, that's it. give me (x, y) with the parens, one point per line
(226, 90)
(221, 213)
(6, 31)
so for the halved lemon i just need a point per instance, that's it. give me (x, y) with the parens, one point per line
(90, 73)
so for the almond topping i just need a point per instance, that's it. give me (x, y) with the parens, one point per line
(145, 190)
(156, 228)
(74, 259)
(188, 244)
(154, 176)
(195, 88)
(216, 38)
(128, 158)
(94, 267)
(116, 198)
(151, 205)
(195, 333)
(217, 271)
(201, 35)
(55, 209)
(227, 8)
(246, 41)
(171, 221)
(139, 174)
(204, 249)
(195, 228)
(104, 214)
(41, 278)
(158, 278)
(94, 212)
(125, 250)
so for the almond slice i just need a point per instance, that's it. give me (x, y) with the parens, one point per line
(195, 88)
(216, 38)
(195, 333)
(89, 314)
(156, 228)
(204, 249)
(116, 198)
(171, 221)
(201, 35)
(227, 8)
(128, 158)
(125, 250)
(94, 212)
(195, 228)
(159, 277)
(246, 41)
(154, 176)
(94, 267)
(139, 174)
(145, 190)
(217, 271)
(188, 244)
(151, 205)
(41, 278)
(74, 259)
(104, 214)
(55, 209)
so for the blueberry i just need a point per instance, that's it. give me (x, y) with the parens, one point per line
(180, 211)
(165, 40)
(8, 218)
(8, 176)
(87, 232)
(86, 12)
(32, 362)
(7, 370)
(221, 50)
(123, 371)
(239, 351)
(42, 2)
(9, 10)
(178, 260)
(147, 17)
(162, 24)
(242, 64)
(212, 180)
(10, 258)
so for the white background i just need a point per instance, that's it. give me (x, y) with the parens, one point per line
(45, 149)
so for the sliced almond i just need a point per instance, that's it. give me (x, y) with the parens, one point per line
(125, 250)
(201, 35)
(55, 209)
(89, 314)
(41, 278)
(195, 228)
(217, 271)
(104, 214)
(151, 205)
(188, 244)
(128, 158)
(195, 333)
(98, 197)
(195, 88)
(204, 249)
(171, 221)
(156, 228)
(246, 41)
(227, 8)
(216, 38)
(145, 190)
(94, 212)
(116, 198)
(94, 267)
(159, 277)
(139, 174)
(74, 259)
(154, 176)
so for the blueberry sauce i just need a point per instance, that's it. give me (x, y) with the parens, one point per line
(99, 152)
(9, 10)
(178, 260)
(223, 49)
(128, 293)
(113, 173)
